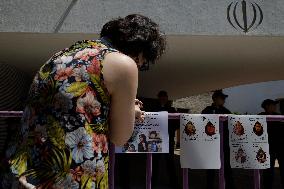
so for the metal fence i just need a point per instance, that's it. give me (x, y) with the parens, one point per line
(185, 178)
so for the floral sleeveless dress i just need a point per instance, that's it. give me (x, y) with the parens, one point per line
(63, 141)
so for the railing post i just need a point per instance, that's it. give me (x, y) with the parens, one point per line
(221, 171)
(111, 166)
(185, 178)
(149, 171)
(256, 178)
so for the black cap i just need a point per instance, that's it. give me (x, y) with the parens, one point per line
(219, 93)
(162, 93)
(268, 102)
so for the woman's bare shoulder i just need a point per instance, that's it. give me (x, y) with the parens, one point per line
(119, 60)
(118, 70)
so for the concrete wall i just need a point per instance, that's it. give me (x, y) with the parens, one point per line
(195, 103)
(190, 17)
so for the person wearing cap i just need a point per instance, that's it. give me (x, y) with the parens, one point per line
(164, 104)
(217, 107)
(275, 139)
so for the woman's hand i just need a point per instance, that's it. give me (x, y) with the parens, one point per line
(139, 103)
(139, 114)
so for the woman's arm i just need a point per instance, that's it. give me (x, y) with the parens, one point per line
(121, 78)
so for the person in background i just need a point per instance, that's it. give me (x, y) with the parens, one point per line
(217, 107)
(275, 139)
(165, 105)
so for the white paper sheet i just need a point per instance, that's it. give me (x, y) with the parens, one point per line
(249, 147)
(151, 136)
(200, 141)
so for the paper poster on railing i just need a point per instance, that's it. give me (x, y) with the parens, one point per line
(151, 136)
(200, 141)
(249, 147)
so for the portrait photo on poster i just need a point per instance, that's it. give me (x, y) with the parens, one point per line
(189, 131)
(261, 158)
(239, 156)
(150, 136)
(211, 130)
(237, 130)
(259, 130)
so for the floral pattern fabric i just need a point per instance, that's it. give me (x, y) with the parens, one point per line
(63, 141)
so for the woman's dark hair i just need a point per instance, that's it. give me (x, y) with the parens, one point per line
(143, 137)
(135, 34)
